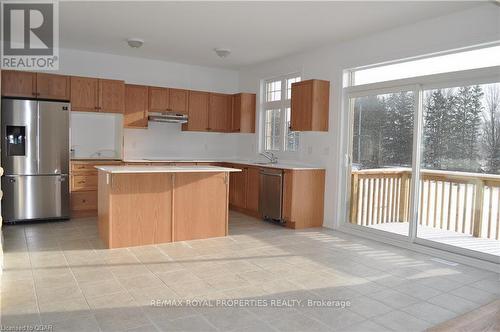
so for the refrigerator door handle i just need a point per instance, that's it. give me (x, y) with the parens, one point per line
(37, 137)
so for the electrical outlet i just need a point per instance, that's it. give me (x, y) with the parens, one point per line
(309, 150)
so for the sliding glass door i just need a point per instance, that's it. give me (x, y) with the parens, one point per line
(425, 163)
(460, 168)
(382, 144)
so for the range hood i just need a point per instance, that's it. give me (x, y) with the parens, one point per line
(168, 117)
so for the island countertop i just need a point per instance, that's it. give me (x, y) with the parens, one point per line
(165, 169)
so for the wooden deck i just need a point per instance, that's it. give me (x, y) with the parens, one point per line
(467, 241)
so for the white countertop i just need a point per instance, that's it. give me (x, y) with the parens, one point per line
(280, 165)
(290, 166)
(164, 169)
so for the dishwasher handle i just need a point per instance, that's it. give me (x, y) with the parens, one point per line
(271, 174)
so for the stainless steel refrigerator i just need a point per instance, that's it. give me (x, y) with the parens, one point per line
(35, 152)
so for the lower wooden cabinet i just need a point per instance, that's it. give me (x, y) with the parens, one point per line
(303, 194)
(148, 208)
(252, 189)
(84, 201)
(83, 186)
(237, 188)
(244, 189)
(303, 198)
(303, 191)
(84, 182)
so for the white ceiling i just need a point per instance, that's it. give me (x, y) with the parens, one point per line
(255, 32)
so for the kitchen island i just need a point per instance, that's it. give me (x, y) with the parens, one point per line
(141, 205)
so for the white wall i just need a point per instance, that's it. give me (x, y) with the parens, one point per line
(159, 140)
(96, 135)
(461, 29)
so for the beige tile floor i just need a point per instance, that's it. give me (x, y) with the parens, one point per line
(58, 274)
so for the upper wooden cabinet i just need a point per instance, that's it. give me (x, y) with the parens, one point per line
(56, 87)
(178, 101)
(207, 111)
(309, 105)
(243, 113)
(97, 95)
(219, 112)
(84, 94)
(111, 96)
(35, 85)
(136, 106)
(158, 99)
(197, 111)
(168, 100)
(18, 84)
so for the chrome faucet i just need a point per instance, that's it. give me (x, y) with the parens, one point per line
(270, 156)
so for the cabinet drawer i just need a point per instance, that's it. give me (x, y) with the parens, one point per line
(83, 182)
(83, 167)
(84, 201)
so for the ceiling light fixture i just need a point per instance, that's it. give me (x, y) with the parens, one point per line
(222, 52)
(135, 42)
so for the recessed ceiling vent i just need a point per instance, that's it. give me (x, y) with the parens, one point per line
(222, 52)
(135, 42)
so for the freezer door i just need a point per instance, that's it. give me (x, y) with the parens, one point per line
(35, 197)
(53, 137)
(19, 136)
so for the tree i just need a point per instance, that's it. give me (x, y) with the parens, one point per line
(368, 118)
(437, 113)
(491, 132)
(464, 132)
(397, 129)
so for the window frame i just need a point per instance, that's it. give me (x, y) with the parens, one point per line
(418, 84)
(283, 104)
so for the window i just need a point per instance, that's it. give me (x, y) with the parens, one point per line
(472, 59)
(276, 108)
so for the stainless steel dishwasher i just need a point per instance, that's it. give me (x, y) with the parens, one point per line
(271, 194)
